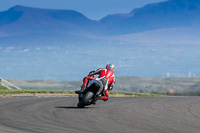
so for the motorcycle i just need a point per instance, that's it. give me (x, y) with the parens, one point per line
(92, 92)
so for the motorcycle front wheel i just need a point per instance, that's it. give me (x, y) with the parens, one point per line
(85, 99)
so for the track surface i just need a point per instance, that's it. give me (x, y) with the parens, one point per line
(117, 115)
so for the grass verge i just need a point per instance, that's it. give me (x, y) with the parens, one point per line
(114, 93)
(46, 92)
(5, 91)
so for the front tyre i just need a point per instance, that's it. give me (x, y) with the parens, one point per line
(87, 98)
(80, 104)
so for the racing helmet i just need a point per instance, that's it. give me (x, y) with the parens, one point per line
(110, 66)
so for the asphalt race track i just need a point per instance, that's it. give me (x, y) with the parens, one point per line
(117, 115)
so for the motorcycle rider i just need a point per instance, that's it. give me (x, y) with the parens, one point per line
(108, 73)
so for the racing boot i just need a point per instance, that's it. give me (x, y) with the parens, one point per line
(79, 91)
(104, 98)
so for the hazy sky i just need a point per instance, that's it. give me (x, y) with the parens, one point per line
(93, 9)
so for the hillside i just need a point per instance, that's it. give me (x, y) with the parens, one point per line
(162, 37)
(31, 20)
(22, 24)
(158, 85)
(124, 84)
(168, 14)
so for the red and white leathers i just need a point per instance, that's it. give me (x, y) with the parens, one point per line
(108, 74)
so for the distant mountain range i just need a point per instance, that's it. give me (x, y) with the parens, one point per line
(30, 20)
(169, 14)
(156, 40)
(32, 23)
(27, 23)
